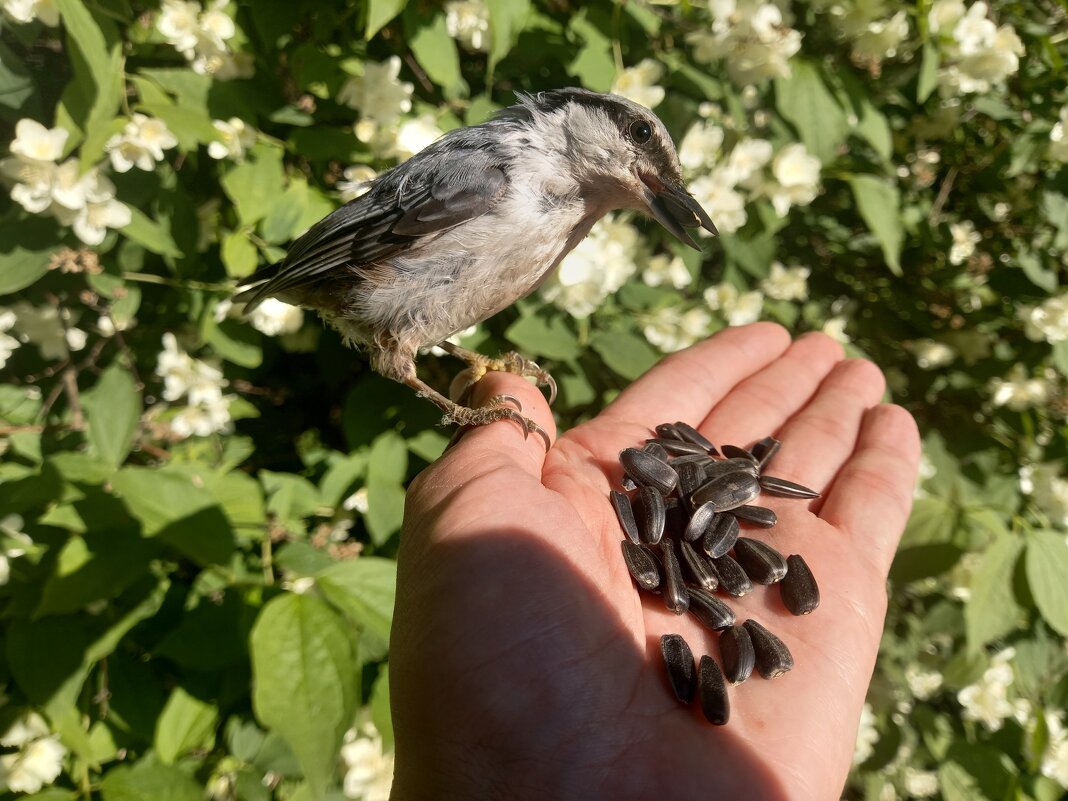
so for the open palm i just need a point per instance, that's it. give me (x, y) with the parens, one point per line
(524, 661)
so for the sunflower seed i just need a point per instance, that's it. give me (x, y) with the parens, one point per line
(721, 537)
(641, 564)
(678, 447)
(675, 520)
(700, 569)
(701, 522)
(654, 448)
(691, 477)
(712, 690)
(737, 452)
(736, 651)
(691, 434)
(625, 513)
(764, 449)
(676, 596)
(786, 489)
(650, 515)
(648, 471)
(731, 577)
(681, 671)
(799, 591)
(725, 466)
(727, 492)
(762, 563)
(772, 656)
(667, 431)
(690, 458)
(758, 515)
(628, 483)
(710, 610)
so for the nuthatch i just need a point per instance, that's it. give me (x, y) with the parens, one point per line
(472, 223)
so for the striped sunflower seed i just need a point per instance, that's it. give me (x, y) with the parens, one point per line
(701, 522)
(691, 434)
(681, 671)
(731, 577)
(712, 692)
(641, 564)
(654, 448)
(710, 610)
(800, 593)
(764, 450)
(649, 471)
(667, 431)
(691, 477)
(728, 492)
(701, 570)
(676, 596)
(722, 467)
(736, 651)
(625, 514)
(737, 452)
(762, 563)
(786, 489)
(650, 514)
(719, 539)
(772, 656)
(678, 447)
(757, 515)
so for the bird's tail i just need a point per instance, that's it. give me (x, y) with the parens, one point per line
(258, 287)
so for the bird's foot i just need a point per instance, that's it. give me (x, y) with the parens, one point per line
(497, 408)
(510, 362)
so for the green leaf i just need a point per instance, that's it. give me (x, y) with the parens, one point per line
(186, 724)
(628, 355)
(388, 459)
(435, 50)
(305, 681)
(805, 100)
(288, 496)
(256, 184)
(148, 233)
(956, 784)
(1060, 356)
(24, 252)
(380, 13)
(112, 411)
(380, 709)
(1047, 567)
(879, 203)
(874, 127)
(506, 19)
(364, 589)
(540, 335)
(928, 78)
(234, 340)
(239, 255)
(299, 208)
(932, 521)
(148, 779)
(593, 64)
(100, 124)
(87, 38)
(992, 611)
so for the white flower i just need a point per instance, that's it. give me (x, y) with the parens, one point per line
(738, 309)
(921, 783)
(8, 344)
(835, 328)
(1018, 391)
(357, 180)
(1047, 489)
(184, 375)
(965, 238)
(378, 94)
(748, 157)
(92, 221)
(141, 144)
(701, 144)
(663, 269)
(39, 760)
(1058, 137)
(235, 137)
(715, 192)
(944, 15)
(867, 736)
(980, 54)
(28, 10)
(178, 22)
(34, 141)
(202, 35)
(368, 770)
(208, 416)
(930, 354)
(1048, 321)
(356, 502)
(467, 21)
(597, 267)
(797, 176)
(43, 327)
(753, 38)
(670, 331)
(786, 283)
(273, 317)
(922, 683)
(881, 38)
(32, 181)
(987, 700)
(1055, 757)
(415, 134)
(639, 83)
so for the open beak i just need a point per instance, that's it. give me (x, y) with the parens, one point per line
(675, 209)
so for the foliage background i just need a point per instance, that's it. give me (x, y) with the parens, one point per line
(182, 518)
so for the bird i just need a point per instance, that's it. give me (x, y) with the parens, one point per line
(472, 223)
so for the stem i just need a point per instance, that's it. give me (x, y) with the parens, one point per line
(181, 283)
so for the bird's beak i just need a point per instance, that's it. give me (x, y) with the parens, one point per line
(675, 209)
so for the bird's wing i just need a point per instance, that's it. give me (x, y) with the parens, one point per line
(425, 196)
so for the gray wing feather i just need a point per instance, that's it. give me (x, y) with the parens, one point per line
(437, 189)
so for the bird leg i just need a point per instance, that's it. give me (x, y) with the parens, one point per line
(510, 362)
(400, 366)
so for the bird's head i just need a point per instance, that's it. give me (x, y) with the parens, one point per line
(621, 153)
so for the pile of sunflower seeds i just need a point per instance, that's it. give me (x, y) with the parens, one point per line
(681, 518)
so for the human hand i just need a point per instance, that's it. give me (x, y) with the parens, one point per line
(526, 664)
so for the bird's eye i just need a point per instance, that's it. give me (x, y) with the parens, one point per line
(640, 132)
